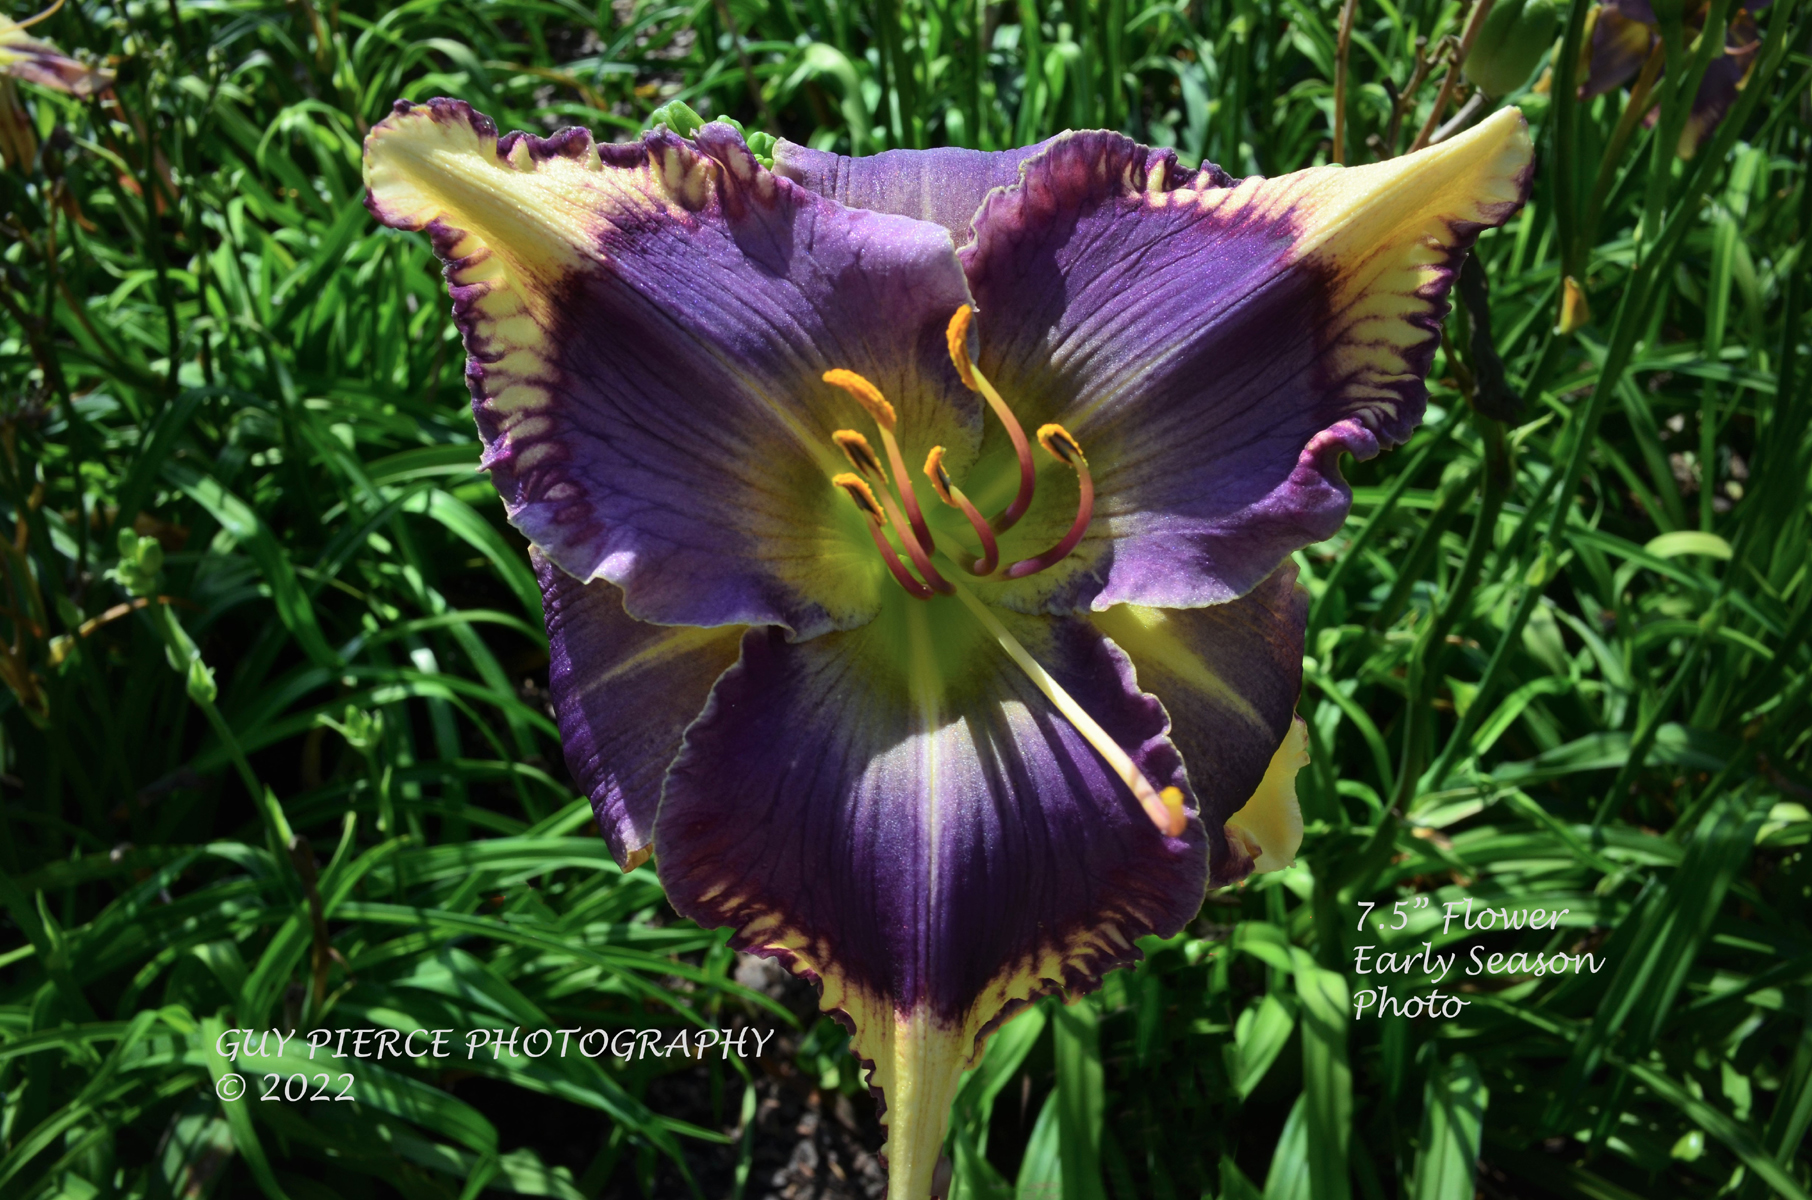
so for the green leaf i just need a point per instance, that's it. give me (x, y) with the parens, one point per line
(229, 1082)
(1453, 1118)
(238, 519)
(1040, 1170)
(1259, 1037)
(1080, 1098)
(1327, 1095)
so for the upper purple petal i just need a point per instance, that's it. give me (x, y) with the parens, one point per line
(41, 63)
(647, 327)
(942, 186)
(1724, 78)
(1216, 350)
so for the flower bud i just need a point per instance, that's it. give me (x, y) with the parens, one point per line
(363, 731)
(200, 682)
(141, 558)
(678, 116)
(1515, 36)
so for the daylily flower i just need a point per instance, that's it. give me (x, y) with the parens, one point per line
(906, 524)
(25, 57)
(1626, 34)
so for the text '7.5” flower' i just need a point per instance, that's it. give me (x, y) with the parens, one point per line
(915, 531)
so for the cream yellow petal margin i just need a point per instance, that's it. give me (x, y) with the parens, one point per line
(1270, 825)
(1386, 233)
(537, 206)
(1387, 239)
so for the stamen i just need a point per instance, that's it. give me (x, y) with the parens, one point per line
(869, 397)
(1058, 443)
(1065, 449)
(860, 454)
(1164, 808)
(952, 495)
(866, 394)
(864, 496)
(957, 337)
(916, 552)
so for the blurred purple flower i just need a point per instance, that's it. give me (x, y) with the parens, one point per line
(25, 57)
(1626, 32)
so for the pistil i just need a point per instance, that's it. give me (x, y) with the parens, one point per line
(1164, 808)
(870, 398)
(1065, 449)
(864, 496)
(950, 494)
(957, 335)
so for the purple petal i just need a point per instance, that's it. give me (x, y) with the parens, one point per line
(1633, 10)
(648, 325)
(1622, 37)
(943, 186)
(899, 813)
(1216, 351)
(1229, 675)
(623, 692)
(1724, 78)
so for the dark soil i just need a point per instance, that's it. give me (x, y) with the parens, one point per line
(807, 1144)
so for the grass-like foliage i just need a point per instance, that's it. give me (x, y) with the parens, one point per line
(278, 757)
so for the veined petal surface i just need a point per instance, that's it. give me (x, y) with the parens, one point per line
(1229, 675)
(623, 693)
(1215, 350)
(647, 327)
(943, 186)
(899, 813)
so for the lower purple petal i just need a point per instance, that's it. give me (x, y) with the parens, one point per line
(623, 692)
(942, 186)
(899, 813)
(1229, 675)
